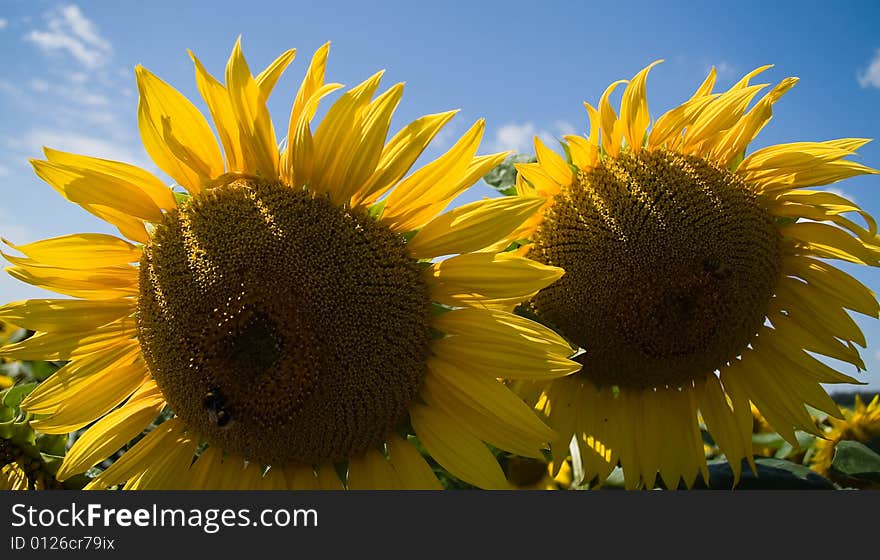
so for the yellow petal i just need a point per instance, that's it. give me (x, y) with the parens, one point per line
(175, 134)
(164, 472)
(60, 315)
(721, 423)
(719, 116)
(595, 124)
(113, 431)
(553, 163)
(707, 85)
(134, 461)
(489, 409)
(298, 162)
(733, 143)
(371, 471)
(313, 82)
(539, 178)
(412, 470)
(81, 250)
(337, 136)
(105, 390)
(431, 184)
(445, 192)
(86, 187)
(501, 327)
(254, 123)
(835, 284)
(488, 279)
(744, 81)
(54, 391)
(328, 479)
(132, 176)
(301, 477)
(358, 158)
(64, 346)
(217, 99)
(13, 477)
(612, 131)
(462, 454)
(267, 78)
(584, 155)
(472, 226)
(399, 155)
(108, 282)
(668, 128)
(827, 241)
(634, 114)
(493, 355)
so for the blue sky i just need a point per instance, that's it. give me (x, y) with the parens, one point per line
(67, 80)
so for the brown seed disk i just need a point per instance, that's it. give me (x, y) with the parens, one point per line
(281, 327)
(670, 264)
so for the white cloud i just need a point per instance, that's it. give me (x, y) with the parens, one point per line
(724, 69)
(519, 137)
(8, 88)
(870, 77)
(840, 192)
(3, 23)
(516, 137)
(67, 29)
(4, 171)
(16, 233)
(41, 86)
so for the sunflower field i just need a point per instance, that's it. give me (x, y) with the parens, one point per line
(651, 304)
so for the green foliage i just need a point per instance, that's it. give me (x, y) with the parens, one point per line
(856, 463)
(503, 177)
(41, 453)
(771, 474)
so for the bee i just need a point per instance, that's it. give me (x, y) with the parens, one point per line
(215, 404)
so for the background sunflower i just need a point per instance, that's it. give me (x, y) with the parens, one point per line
(696, 279)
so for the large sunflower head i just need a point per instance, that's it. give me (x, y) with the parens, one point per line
(696, 278)
(860, 423)
(283, 315)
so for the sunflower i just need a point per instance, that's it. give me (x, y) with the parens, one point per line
(696, 279)
(861, 423)
(282, 324)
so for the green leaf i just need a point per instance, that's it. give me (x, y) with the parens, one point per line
(856, 460)
(13, 396)
(503, 177)
(772, 474)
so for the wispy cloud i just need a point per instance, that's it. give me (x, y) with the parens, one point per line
(12, 231)
(870, 77)
(723, 69)
(56, 102)
(67, 29)
(519, 137)
(841, 192)
(33, 141)
(4, 23)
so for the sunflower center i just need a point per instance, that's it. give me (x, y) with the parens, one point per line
(281, 327)
(670, 266)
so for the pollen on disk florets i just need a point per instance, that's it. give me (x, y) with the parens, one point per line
(670, 267)
(281, 327)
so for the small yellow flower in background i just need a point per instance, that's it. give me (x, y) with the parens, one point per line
(5, 332)
(287, 310)
(861, 423)
(695, 279)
